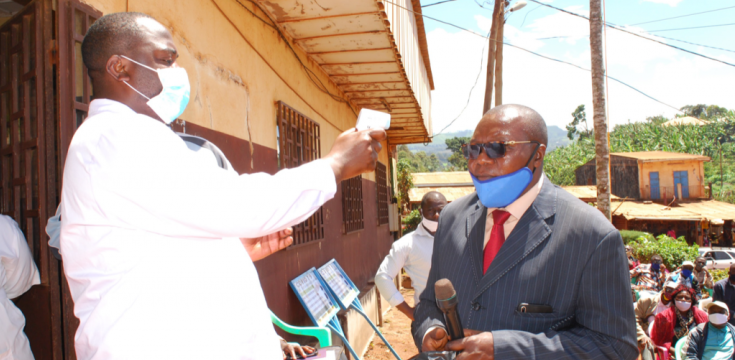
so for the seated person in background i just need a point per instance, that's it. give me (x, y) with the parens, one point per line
(632, 262)
(675, 322)
(412, 252)
(650, 276)
(712, 340)
(704, 278)
(646, 309)
(724, 291)
(18, 273)
(685, 276)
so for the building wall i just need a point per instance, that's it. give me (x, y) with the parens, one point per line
(665, 169)
(239, 68)
(623, 176)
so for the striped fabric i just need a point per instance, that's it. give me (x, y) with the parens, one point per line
(562, 253)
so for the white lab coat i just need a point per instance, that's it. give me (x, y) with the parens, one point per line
(149, 238)
(18, 273)
(413, 253)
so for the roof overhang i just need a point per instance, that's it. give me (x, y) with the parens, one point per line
(354, 44)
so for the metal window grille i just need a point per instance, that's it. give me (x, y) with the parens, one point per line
(299, 142)
(352, 214)
(381, 180)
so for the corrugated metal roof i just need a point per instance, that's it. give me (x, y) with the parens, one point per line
(585, 192)
(691, 210)
(660, 155)
(374, 51)
(451, 193)
(444, 179)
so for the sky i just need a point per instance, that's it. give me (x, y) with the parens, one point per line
(674, 77)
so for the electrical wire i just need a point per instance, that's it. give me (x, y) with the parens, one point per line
(681, 16)
(636, 34)
(309, 73)
(534, 53)
(690, 28)
(525, 16)
(437, 3)
(663, 37)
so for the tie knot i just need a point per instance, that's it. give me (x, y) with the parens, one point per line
(500, 217)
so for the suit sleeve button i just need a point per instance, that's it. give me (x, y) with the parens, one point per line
(476, 306)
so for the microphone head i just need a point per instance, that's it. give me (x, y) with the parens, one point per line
(444, 290)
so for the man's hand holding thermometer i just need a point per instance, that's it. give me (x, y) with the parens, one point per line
(356, 150)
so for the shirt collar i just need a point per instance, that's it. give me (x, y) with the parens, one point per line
(519, 207)
(99, 106)
(420, 230)
(712, 328)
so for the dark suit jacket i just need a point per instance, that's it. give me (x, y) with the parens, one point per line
(562, 253)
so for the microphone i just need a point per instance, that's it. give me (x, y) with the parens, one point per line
(446, 300)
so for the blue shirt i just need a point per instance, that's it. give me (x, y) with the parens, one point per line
(719, 344)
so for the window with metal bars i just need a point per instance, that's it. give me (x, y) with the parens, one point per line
(381, 180)
(353, 218)
(299, 142)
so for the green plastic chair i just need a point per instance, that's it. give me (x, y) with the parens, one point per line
(711, 292)
(679, 347)
(323, 334)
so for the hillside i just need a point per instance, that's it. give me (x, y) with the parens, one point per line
(557, 138)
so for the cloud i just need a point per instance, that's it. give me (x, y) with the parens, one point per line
(671, 3)
(555, 89)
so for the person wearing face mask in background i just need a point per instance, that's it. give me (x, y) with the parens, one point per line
(646, 309)
(632, 262)
(724, 291)
(538, 274)
(704, 278)
(413, 253)
(134, 248)
(714, 340)
(677, 321)
(650, 277)
(685, 276)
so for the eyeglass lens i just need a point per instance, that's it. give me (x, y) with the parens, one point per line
(493, 150)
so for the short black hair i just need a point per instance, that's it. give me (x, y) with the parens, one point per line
(112, 34)
(431, 195)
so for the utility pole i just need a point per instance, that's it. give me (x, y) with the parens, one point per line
(489, 80)
(602, 143)
(499, 54)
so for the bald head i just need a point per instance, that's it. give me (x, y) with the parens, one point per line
(433, 197)
(522, 118)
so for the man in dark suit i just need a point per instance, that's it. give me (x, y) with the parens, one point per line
(538, 273)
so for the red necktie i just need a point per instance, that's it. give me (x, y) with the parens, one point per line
(497, 238)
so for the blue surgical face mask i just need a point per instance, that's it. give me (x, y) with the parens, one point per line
(686, 273)
(655, 267)
(174, 97)
(502, 191)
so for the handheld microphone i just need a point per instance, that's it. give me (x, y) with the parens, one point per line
(446, 300)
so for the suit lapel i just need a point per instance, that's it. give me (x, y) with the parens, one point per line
(475, 237)
(530, 232)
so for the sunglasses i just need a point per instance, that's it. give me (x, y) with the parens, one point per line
(493, 150)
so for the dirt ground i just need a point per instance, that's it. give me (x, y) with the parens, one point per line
(397, 330)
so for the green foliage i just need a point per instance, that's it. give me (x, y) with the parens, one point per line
(419, 161)
(405, 182)
(631, 235)
(579, 116)
(702, 111)
(457, 161)
(673, 251)
(411, 221)
(559, 165)
(718, 275)
(658, 119)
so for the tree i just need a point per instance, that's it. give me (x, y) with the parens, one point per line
(602, 148)
(658, 119)
(405, 183)
(706, 112)
(457, 160)
(579, 116)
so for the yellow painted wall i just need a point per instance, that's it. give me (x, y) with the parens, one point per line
(694, 169)
(239, 68)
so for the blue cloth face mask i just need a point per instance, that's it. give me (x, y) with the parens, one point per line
(174, 97)
(502, 191)
(686, 273)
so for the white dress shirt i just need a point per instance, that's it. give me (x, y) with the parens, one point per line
(18, 273)
(149, 237)
(413, 253)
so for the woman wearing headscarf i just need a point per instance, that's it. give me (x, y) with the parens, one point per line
(675, 322)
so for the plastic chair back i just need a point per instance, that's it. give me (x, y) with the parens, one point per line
(680, 346)
(323, 334)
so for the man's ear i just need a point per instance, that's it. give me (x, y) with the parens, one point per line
(116, 68)
(421, 212)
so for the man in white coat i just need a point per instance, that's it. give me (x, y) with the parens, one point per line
(413, 253)
(158, 275)
(18, 273)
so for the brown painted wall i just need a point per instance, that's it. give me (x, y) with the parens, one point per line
(623, 176)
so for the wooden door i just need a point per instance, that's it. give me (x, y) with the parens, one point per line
(27, 160)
